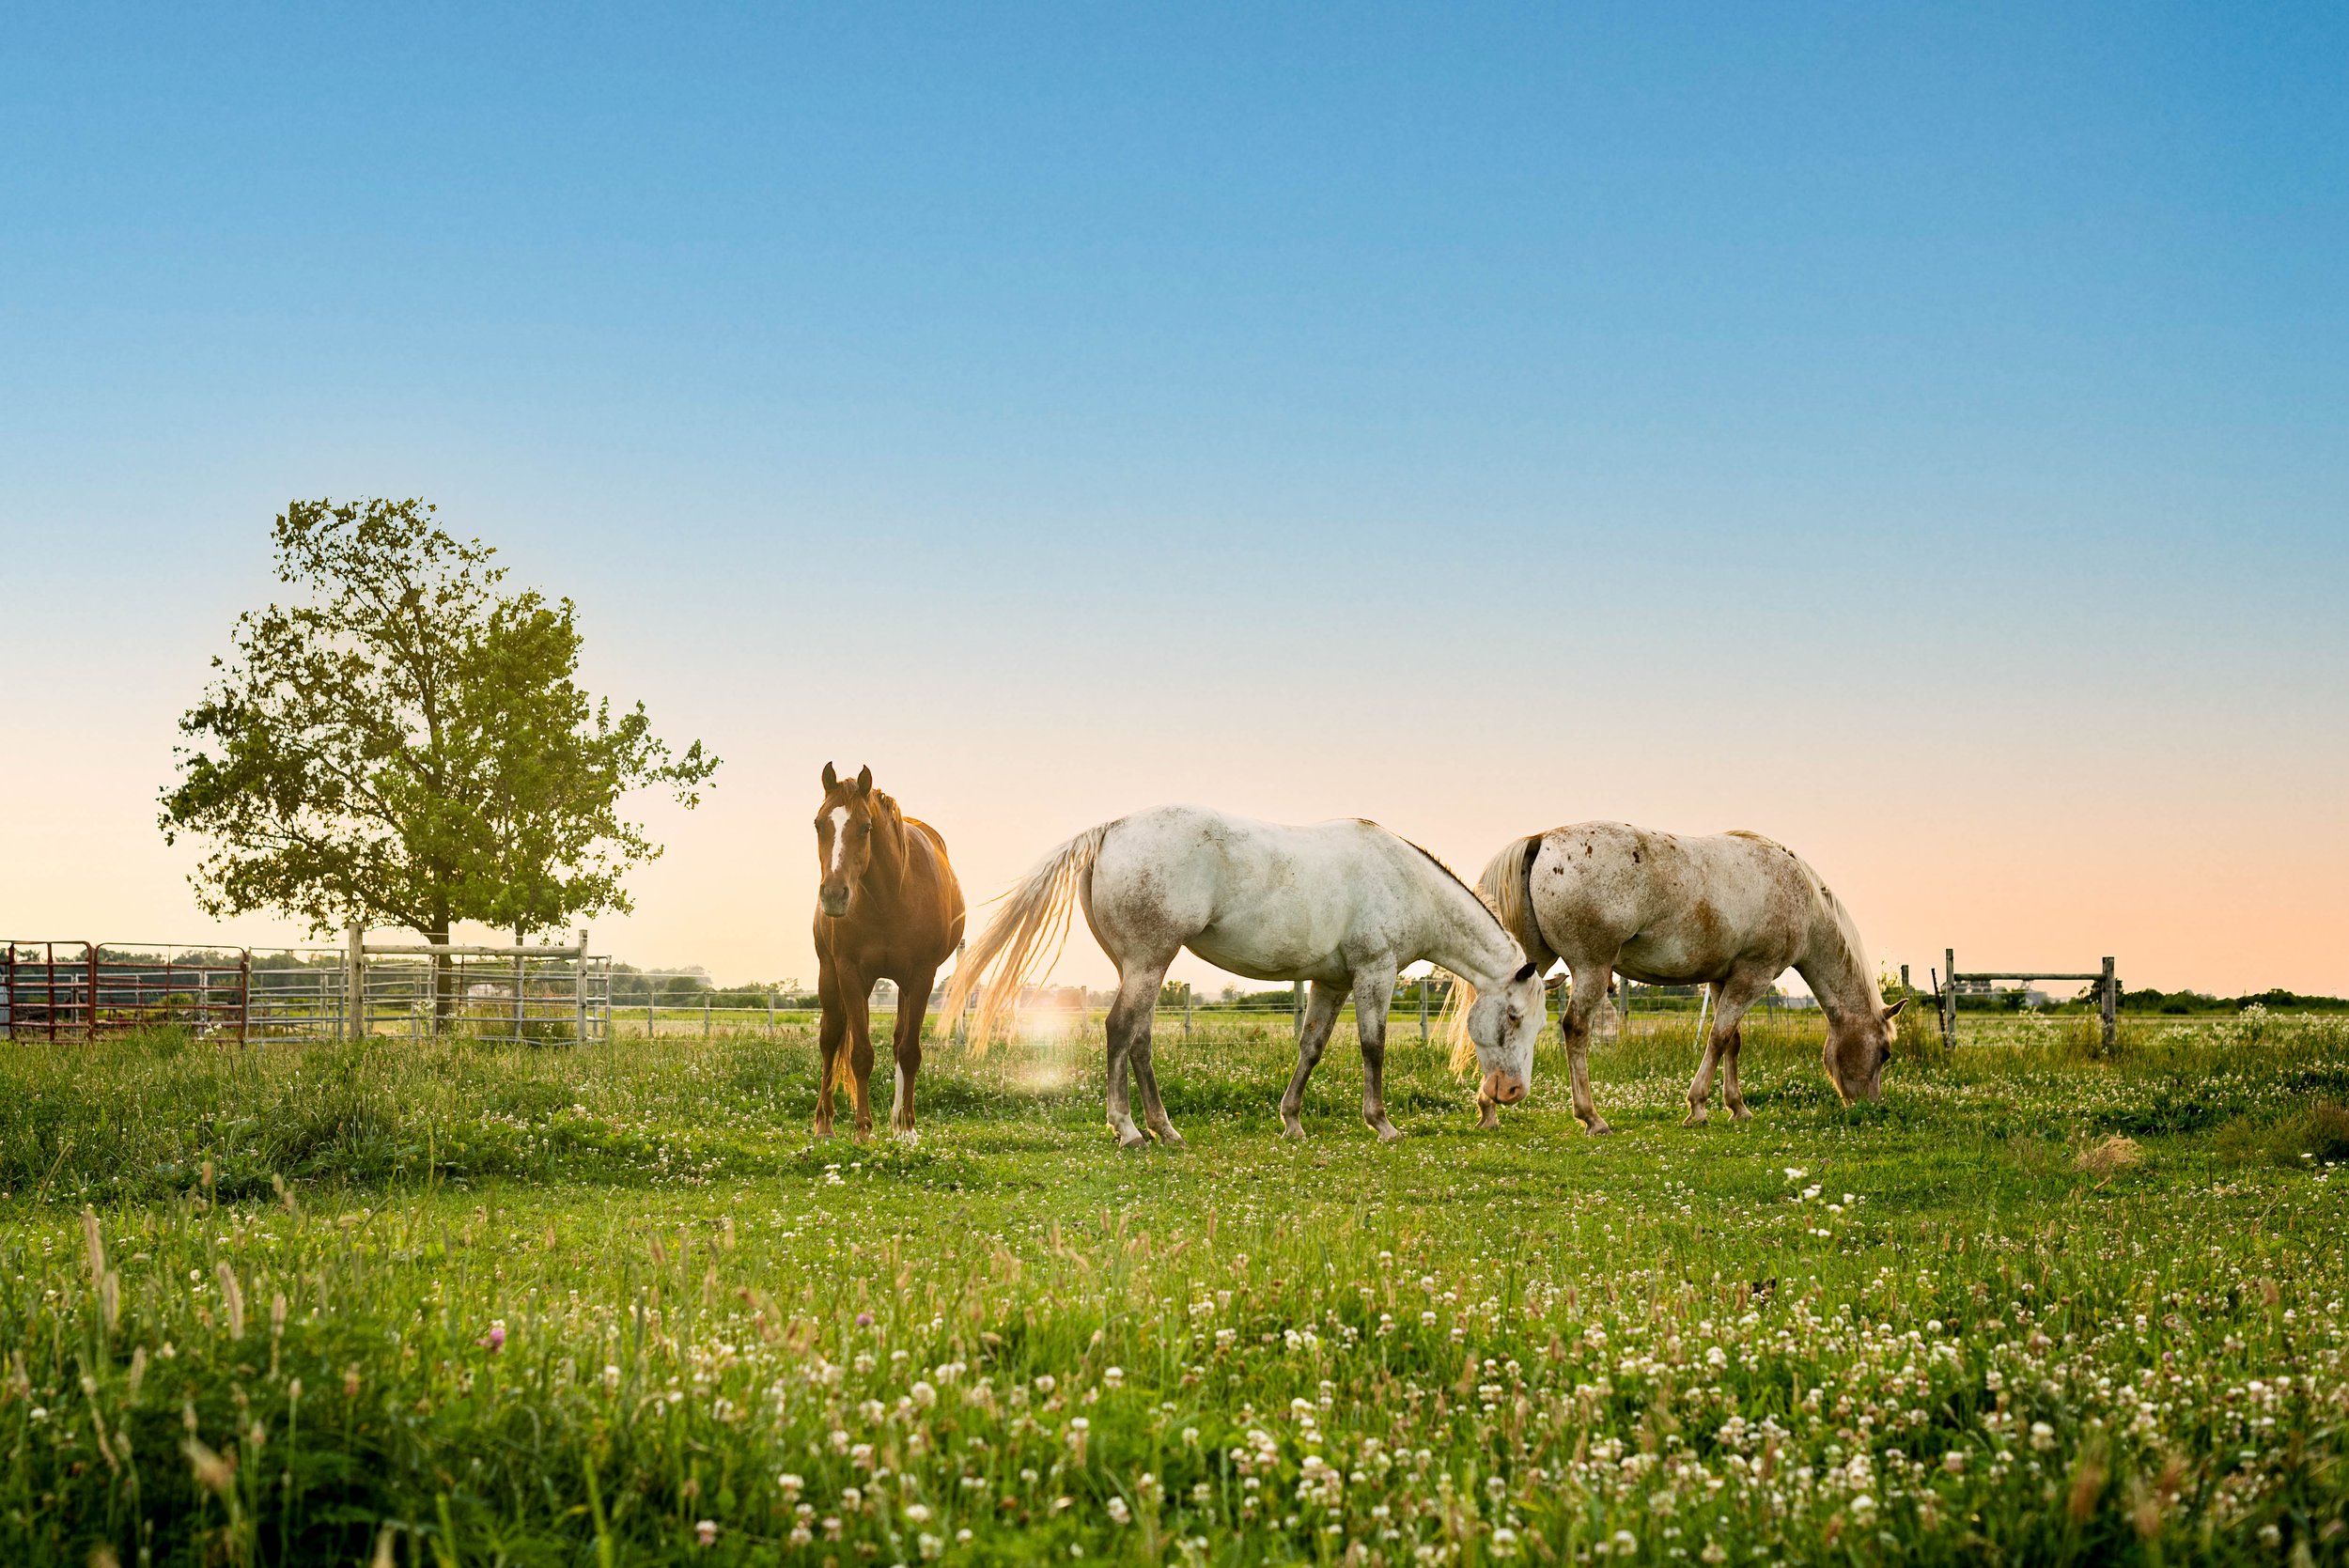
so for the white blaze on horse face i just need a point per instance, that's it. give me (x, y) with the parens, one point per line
(839, 816)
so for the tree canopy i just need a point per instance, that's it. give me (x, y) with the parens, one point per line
(408, 744)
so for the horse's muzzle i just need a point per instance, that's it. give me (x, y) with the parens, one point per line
(834, 901)
(1504, 1088)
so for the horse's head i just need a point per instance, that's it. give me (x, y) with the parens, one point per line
(1858, 1046)
(1503, 1024)
(846, 824)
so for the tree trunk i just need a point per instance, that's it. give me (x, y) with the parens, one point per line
(444, 977)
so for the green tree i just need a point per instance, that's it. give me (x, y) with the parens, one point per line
(409, 746)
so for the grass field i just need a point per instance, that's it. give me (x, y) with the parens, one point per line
(472, 1305)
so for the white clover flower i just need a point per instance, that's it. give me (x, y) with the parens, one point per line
(922, 1394)
(1112, 1377)
(1119, 1514)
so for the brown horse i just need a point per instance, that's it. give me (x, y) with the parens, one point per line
(889, 908)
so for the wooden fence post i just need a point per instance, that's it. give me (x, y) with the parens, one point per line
(1296, 1006)
(2108, 1004)
(244, 991)
(355, 984)
(1949, 998)
(579, 980)
(1423, 981)
(518, 986)
(1186, 1012)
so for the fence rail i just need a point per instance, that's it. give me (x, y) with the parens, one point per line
(55, 990)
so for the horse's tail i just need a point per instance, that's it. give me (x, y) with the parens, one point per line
(1024, 938)
(1504, 886)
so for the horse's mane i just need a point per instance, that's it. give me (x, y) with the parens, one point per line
(1846, 929)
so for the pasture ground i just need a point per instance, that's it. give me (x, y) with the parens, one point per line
(460, 1304)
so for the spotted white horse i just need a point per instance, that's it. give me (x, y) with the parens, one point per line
(1729, 911)
(1344, 905)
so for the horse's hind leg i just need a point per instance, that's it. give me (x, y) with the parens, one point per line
(1321, 1016)
(1574, 1023)
(1141, 1025)
(913, 1005)
(1129, 1032)
(1372, 995)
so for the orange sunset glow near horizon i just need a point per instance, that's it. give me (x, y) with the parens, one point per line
(2019, 836)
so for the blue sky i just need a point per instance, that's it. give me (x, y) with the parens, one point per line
(1476, 416)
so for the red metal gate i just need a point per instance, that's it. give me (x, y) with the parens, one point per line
(73, 990)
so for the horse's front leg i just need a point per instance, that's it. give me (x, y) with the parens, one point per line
(913, 1005)
(1701, 1086)
(1374, 994)
(1321, 1016)
(857, 1001)
(831, 1034)
(1731, 998)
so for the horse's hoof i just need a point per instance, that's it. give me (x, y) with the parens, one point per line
(1167, 1136)
(823, 1129)
(1694, 1119)
(1131, 1140)
(1389, 1133)
(1598, 1129)
(905, 1134)
(1741, 1115)
(1293, 1131)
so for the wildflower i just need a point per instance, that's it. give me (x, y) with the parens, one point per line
(1112, 1377)
(707, 1531)
(494, 1341)
(922, 1394)
(2042, 1437)
(1954, 1461)
(1505, 1541)
(1625, 1543)
(791, 1485)
(917, 1513)
(1045, 1384)
(1119, 1512)
(864, 1320)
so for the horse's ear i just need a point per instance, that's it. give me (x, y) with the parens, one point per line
(1526, 974)
(831, 779)
(1894, 1011)
(864, 781)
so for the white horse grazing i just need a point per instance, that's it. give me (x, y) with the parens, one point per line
(1730, 911)
(1344, 905)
